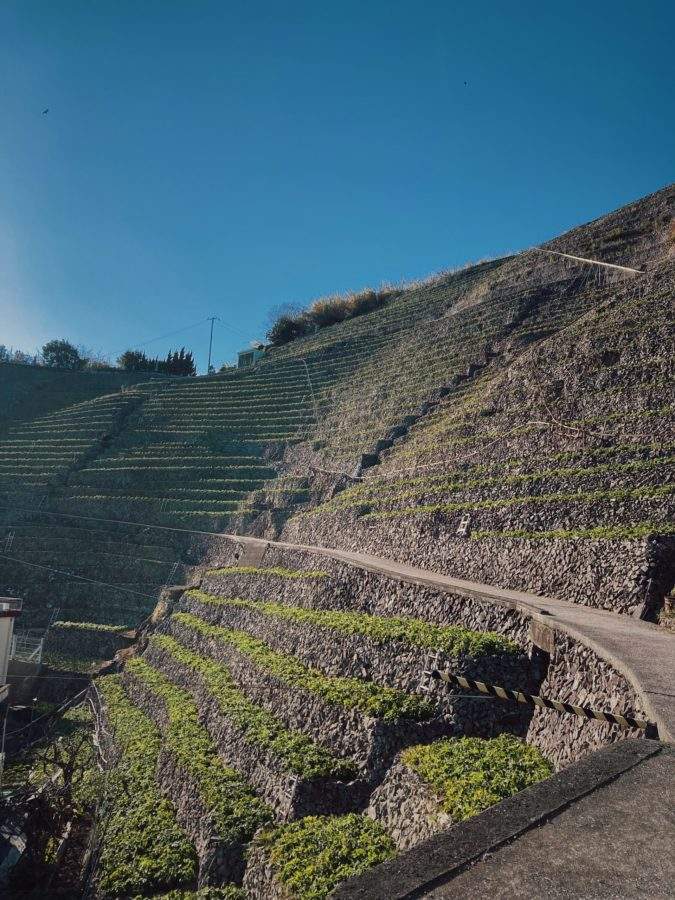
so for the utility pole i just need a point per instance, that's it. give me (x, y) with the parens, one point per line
(211, 319)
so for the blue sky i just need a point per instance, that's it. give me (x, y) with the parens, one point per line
(220, 158)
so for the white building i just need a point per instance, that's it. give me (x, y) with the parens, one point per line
(10, 608)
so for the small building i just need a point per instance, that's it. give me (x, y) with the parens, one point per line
(251, 356)
(10, 608)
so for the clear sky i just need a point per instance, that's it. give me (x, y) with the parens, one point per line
(220, 158)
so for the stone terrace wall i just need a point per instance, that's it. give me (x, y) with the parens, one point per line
(574, 672)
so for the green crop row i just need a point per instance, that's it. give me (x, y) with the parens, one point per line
(644, 493)
(226, 892)
(601, 533)
(236, 810)
(451, 639)
(312, 856)
(368, 698)
(471, 774)
(425, 445)
(65, 663)
(351, 496)
(513, 463)
(277, 571)
(144, 850)
(293, 748)
(90, 626)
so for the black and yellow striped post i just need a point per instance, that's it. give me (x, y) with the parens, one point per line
(509, 695)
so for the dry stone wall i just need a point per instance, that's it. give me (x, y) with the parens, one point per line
(407, 807)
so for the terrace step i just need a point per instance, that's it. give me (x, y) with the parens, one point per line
(341, 726)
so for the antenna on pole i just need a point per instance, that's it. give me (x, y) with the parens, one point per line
(211, 319)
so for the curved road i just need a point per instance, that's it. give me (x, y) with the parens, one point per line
(642, 652)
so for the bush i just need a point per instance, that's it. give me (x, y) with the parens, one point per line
(60, 354)
(176, 362)
(287, 328)
(326, 311)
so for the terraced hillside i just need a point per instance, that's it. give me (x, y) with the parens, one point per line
(439, 372)
(273, 730)
(553, 475)
(290, 714)
(28, 392)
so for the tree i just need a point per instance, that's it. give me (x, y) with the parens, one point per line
(135, 361)
(180, 362)
(177, 362)
(60, 354)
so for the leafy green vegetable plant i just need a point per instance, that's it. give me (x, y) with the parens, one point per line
(312, 856)
(470, 774)
(370, 699)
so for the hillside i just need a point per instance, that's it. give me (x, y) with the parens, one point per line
(28, 392)
(508, 424)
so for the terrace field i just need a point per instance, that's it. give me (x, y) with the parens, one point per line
(508, 423)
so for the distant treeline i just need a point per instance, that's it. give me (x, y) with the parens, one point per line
(177, 362)
(61, 354)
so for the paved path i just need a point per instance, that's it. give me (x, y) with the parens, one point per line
(643, 653)
(616, 841)
(601, 829)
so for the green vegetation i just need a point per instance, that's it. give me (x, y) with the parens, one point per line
(277, 570)
(352, 693)
(60, 354)
(226, 892)
(235, 808)
(645, 493)
(601, 533)
(312, 856)
(470, 774)
(66, 663)
(293, 748)
(91, 626)
(176, 363)
(451, 639)
(383, 491)
(291, 324)
(143, 848)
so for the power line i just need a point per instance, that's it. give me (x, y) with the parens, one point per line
(23, 562)
(161, 337)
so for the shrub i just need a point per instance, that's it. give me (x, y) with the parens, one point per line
(315, 854)
(471, 774)
(287, 328)
(328, 311)
(60, 354)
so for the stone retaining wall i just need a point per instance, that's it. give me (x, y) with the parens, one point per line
(370, 742)
(259, 880)
(219, 861)
(578, 675)
(407, 807)
(290, 797)
(629, 576)
(394, 663)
